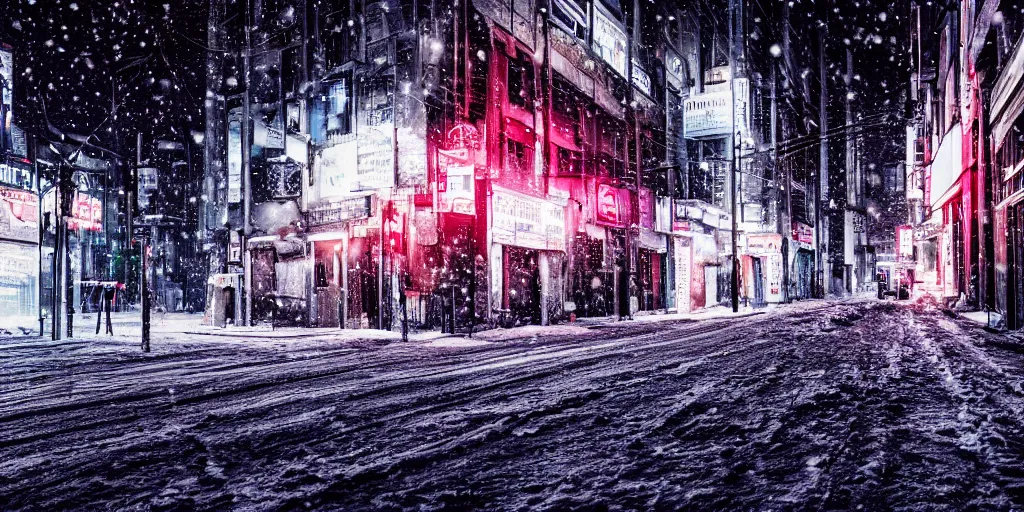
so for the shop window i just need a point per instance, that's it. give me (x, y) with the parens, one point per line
(376, 23)
(929, 255)
(1008, 33)
(1009, 155)
(338, 35)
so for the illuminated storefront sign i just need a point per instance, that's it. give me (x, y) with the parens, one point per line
(235, 156)
(802, 233)
(612, 205)
(6, 98)
(456, 170)
(904, 243)
(641, 80)
(683, 260)
(764, 244)
(86, 213)
(528, 222)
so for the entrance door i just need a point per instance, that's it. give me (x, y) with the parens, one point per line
(804, 274)
(758, 277)
(1015, 239)
(522, 285)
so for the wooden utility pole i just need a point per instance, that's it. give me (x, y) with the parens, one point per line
(734, 141)
(246, 136)
(822, 195)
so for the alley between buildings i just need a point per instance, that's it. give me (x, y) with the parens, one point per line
(826, 405)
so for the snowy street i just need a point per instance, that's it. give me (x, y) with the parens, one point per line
(818, 405)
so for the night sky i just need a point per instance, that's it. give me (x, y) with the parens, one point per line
(82, 59)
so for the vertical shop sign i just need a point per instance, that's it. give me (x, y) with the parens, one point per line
(684, 260)
(456, 170)
(948, 277)
(376, 137)
(6, 97)
(904, 244)
(646, 208)
(235, 157)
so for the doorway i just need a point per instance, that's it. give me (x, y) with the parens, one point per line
(758, 300)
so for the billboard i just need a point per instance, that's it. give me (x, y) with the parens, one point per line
(336, 169)
(710, 114)
(19, 215)
(526, 221)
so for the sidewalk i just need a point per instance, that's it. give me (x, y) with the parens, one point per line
(183, 327)
(989, 319)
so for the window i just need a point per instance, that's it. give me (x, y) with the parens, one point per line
(611, 148)
(518, 158)
(339, 107)
(569, 161)
(565, 112)
(1009, 156)
(520, 81)
(570, 16)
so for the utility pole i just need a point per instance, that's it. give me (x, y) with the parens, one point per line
(144, 252)
(822, 195)
(68, 191)
(246, 136)
(786, 221)
(734, 174)
(850, 181)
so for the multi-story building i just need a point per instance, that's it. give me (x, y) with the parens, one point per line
(498, 163)
(964, 157)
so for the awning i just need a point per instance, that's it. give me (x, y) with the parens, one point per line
(652, 241)
(596, 232)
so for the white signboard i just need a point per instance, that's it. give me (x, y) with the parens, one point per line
(709, 114)
(610, 41)
(684, 260)
(376, 160)
(773, 278)
(337, 166)
(641, 80)
(528, 222)
(458, 196)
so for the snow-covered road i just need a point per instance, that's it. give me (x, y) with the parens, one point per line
(821, 405)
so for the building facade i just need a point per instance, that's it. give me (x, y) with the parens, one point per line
(963, 155)
(499, 163)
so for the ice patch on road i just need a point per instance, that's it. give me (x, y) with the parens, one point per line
(453, 342)
(532, 331)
